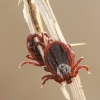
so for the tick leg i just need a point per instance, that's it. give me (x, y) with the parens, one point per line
(29, 57)
(46, 78)
(73, 54)
(79, 67)
(38, 36)
(45, 68)
(29, 62)
(40, 43)
(79, 60)
(48, 38)
(45, 34)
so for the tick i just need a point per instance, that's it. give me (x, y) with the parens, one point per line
(59, 59)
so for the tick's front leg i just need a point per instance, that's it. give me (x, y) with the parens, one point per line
(80, 67)
(79, 60)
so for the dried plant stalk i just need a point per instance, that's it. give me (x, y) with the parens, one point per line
(35, 16)
(32, 17)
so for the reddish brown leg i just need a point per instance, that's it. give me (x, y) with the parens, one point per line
(29, 62)
(38, 36)
(45, 68)
(43, 38)
(50, 40)
(46, 35)
(73, 54)
(29, 57)
(40, 43)
(46, 78)
(80, 67)
(79, 60)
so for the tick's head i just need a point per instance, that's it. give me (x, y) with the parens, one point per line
(64, 70)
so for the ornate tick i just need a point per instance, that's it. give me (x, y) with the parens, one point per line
(59, 59)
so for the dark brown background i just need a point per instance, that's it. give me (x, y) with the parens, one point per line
(79, 21)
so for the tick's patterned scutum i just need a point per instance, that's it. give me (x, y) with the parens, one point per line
(56, 54)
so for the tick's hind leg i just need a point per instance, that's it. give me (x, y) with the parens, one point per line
(29, 62)
(30, 57)
(45, 68)
(80, 67)
(46, 78)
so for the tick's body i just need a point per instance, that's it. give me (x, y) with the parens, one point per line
(57, 54)
(59, 59)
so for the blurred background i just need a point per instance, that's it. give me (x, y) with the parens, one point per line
(79, 21)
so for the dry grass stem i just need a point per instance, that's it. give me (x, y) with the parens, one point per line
(32, 17)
